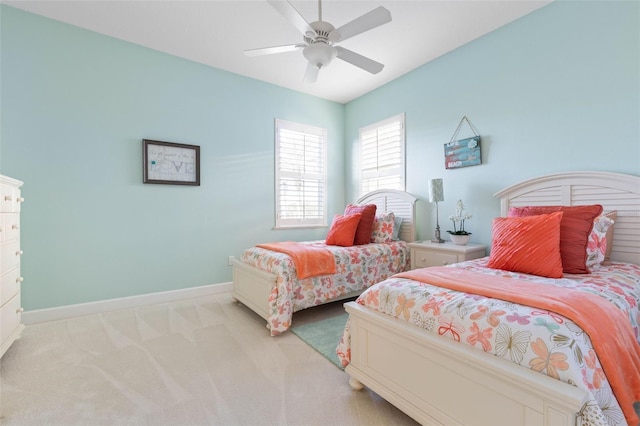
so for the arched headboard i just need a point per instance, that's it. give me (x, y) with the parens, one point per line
(614, 191)
(400, 203)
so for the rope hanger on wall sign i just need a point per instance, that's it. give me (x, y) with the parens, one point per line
(462, 120)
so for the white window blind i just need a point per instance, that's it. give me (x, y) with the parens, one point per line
(382, 159)
(301, 175)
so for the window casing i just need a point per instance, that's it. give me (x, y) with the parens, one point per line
(301, 175)
(382, 155)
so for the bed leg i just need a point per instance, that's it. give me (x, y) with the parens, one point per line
(355, 384)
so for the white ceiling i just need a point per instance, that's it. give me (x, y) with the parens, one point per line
(216, 33)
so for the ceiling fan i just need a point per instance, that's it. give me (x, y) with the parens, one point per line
(320, 37)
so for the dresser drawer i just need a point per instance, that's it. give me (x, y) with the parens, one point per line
(9, 227)
(9, 256)
(10, 315)
(10, 282)
(9, 199)
(425, 258)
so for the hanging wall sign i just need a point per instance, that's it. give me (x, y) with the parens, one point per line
(462, 152)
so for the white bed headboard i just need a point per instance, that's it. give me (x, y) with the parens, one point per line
(614, 191)
(400, 203)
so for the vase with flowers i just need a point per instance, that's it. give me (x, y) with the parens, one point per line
(459, 235)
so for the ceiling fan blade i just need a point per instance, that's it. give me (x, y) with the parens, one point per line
(287, 10)
(366, 22)
(272, 50)
(311, 74)
(359, 61)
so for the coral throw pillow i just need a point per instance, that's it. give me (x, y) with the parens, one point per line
(343, 230)
(530, 245)
(368, 212)
(575, 228)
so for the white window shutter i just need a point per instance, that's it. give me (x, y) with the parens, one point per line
(301, 175)
(382, 155)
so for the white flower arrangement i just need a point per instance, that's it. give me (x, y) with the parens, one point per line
(460, 216)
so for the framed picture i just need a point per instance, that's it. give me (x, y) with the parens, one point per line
(170, 163)
(462, 153)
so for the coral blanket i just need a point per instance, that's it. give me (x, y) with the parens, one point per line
(310, 261)
(607, 326)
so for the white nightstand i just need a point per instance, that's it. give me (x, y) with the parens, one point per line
(426, 253)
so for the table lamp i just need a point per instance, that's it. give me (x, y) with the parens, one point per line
(436, 194)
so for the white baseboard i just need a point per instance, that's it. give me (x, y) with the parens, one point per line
(91, 308)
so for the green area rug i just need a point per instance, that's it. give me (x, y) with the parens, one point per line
(323, 336)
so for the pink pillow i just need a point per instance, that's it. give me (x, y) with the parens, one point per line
(343, 230)
(530, 245)
(575, 228)
(383, 228)
(368, 212)
(600, 240)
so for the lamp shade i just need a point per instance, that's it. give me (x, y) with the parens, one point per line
(436, 191)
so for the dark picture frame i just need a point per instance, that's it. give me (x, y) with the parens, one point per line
(170, 163)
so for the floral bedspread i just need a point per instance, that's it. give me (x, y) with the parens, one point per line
(357, 268)
(537, 339)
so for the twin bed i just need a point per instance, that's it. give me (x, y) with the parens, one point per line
(448, 357)
(446, 352)
(266, 281)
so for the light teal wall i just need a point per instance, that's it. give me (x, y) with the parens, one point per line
(75, 107)
(557, 90)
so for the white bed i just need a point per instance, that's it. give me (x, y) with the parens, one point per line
(253, 286)
(439, 381)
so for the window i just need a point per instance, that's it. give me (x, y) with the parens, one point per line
(301, 175)
(382, 155)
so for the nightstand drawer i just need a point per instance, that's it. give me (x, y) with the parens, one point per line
(426, 253)
(425, 258)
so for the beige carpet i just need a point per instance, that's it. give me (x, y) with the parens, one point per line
(205, 361)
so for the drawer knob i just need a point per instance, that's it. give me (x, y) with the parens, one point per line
(423, 259)
(445, 263)
(19, 279)
(20, 199)
(19, 252)
(15, 226)
(8, 198)
(20, 310)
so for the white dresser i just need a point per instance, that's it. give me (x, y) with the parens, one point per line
(10, 252)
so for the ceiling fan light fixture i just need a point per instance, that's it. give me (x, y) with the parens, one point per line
(319, 39)
(319, 54)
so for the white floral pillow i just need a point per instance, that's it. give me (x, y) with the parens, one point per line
(597, 243)
(383, 228)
